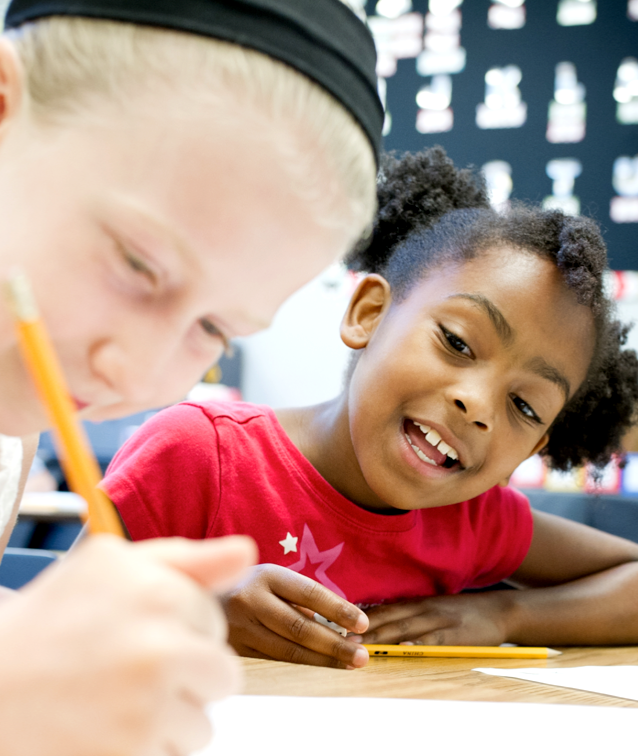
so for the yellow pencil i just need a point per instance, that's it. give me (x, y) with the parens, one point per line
(464, 652)
(80, 466)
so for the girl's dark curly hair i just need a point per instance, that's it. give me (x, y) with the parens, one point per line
(432, 214)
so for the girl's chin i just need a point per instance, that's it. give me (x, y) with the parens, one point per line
(15, 423)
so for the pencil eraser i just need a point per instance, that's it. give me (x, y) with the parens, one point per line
(332, 625)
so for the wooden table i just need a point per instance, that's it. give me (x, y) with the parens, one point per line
(451, 679)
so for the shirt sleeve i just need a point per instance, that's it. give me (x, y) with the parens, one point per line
(503, 528)
(165, 479)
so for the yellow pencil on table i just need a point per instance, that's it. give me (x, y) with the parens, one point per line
(462, 652)
(78, 462)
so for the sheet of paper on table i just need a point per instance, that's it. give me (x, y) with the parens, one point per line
(620, 681)
(280, 725)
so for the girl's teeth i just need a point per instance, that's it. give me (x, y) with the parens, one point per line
(432, 437)
(422, 456)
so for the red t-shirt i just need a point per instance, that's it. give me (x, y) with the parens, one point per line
(214, 469)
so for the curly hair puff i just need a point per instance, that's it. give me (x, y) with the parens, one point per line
(432, 214)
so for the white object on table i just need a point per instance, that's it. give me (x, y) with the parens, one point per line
(276, 725)
(620, 681)
(327, 623)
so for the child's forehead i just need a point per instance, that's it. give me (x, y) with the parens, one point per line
(498, 269)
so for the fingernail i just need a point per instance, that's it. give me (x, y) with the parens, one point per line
(360, 658)
(362, 623)
(355, 638)
(406, 643)
(350, 667)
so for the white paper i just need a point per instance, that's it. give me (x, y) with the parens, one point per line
(280, 725)
(621, 681)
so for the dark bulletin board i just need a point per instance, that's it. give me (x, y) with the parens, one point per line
(595, 49)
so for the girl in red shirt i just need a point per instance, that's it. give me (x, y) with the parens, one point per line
(480, 338)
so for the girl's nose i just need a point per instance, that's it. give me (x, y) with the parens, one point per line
(476, 404)
(130, 372)
(146, 372)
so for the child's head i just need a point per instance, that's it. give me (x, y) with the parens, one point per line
(491, 328)
(159, 186)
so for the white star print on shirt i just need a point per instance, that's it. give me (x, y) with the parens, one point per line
(289, 543)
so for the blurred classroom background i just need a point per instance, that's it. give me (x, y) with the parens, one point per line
(542, 96)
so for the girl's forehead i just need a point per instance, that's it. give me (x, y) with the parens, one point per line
(519, 296)
(502, 271)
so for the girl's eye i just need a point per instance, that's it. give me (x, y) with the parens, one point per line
(137, 264)
(456, 343)
(210, 329)
(525, 409)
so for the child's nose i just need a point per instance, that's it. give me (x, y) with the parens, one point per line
(129, 373)
(145, 368)
(474, 398)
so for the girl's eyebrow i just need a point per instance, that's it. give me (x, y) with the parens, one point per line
(539, 365)
(503, 328)
(542, 368)
(122, 210)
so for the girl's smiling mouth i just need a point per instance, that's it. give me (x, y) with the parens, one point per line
(429, 447)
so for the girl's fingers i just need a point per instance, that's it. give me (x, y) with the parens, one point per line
(440, 637)
(288, 622)
(298, 589)
(406, 630)
(208, 672)
(216, 563)
(266, 644)
(390, 613)
(186, 727)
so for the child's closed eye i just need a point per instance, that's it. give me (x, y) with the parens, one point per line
(210, 329)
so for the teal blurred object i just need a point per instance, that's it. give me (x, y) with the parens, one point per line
(19, 566)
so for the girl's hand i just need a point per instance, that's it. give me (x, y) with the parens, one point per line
(118, 648)
(270, 617)
(477, 619)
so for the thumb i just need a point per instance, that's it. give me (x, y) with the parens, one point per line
(216, 563)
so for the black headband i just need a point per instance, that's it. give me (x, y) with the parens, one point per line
(322, 39)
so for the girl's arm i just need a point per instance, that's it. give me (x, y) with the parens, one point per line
(580, 587)
(584, 587)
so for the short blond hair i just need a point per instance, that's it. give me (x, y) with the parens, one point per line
(69, 61)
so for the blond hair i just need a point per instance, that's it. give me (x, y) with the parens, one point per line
(68, 62)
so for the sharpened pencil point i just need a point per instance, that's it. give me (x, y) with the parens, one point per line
(553, 652)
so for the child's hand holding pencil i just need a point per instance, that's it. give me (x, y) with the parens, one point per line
(126, 626)
(118, 648)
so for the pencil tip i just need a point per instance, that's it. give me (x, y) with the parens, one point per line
(553, 652)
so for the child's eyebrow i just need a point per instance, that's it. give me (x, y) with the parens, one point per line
(503, 328)
(542, 368)
(505, 332)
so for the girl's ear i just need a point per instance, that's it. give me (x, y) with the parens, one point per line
(541, 443)
(11, 84)
(367, 306)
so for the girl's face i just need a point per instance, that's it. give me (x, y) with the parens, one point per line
(461, 381)
(149, 239)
